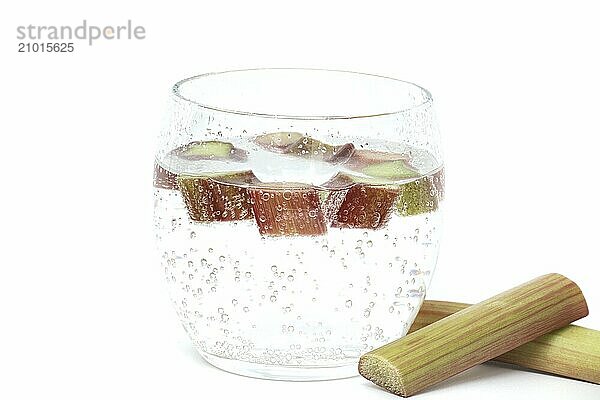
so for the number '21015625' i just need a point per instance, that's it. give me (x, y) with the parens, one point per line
(45, 47)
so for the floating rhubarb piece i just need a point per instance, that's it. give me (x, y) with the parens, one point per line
(439, 181)
(379, 164)
(332, 194)
(366, 157)
(287, 211)
(364, 207)
(299, 145)
(368, 204)
(416, 197)
(392, 170)
(163, 178)
(314, 149)
(278, 142)
(210, 150)
(421, 196)
(218, 197)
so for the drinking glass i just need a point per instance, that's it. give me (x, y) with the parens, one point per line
(297, 216)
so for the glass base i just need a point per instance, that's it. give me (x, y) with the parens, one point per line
(282, 372)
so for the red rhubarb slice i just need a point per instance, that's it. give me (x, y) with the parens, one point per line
(364, 207)
(163, 178)
(287, 211)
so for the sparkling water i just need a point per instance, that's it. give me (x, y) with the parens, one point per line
(295, 304)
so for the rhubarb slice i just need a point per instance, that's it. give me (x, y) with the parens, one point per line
(376, 193)
(311, 148)
(366, 157)
(163, 178)
(299, 145)
(287, 211)
(210, 150)
(369, 202)
(393, 170)
(218, 197)
(421, 196)
(278, 142)
(365, 207)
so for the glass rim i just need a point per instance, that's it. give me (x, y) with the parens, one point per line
(175, 91)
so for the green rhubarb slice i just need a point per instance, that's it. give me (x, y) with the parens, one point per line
(210, 150)
(217, 197)
(422, 195)
(392, 170)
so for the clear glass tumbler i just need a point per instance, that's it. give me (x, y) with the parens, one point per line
(297, 216)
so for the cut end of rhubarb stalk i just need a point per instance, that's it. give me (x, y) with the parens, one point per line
(287, 211)
(164, 179)
(218, 197)
(210, 150)
(382, 373)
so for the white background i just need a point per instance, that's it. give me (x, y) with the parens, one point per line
(83, 310)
